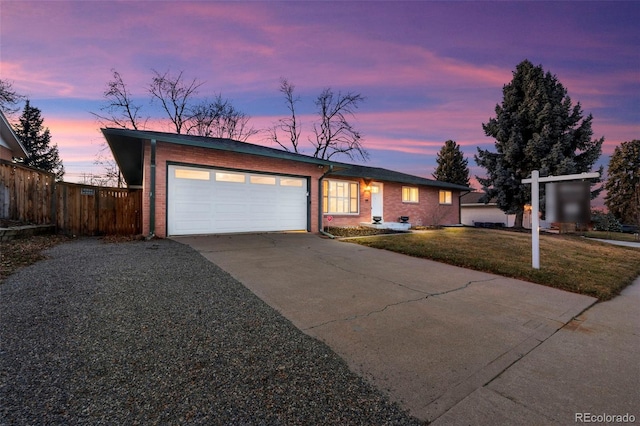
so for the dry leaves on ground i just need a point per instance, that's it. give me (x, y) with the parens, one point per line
(22, 252)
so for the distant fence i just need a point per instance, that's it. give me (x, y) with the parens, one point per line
(33, 196)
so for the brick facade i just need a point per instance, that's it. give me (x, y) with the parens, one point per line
(167, 153)
(426, 212)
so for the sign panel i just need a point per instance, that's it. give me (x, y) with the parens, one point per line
(573, 202)
(87, 191)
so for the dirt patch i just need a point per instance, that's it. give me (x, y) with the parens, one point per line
(22, 252)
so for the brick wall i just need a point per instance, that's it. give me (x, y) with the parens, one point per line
(427, 212)
(167, 152)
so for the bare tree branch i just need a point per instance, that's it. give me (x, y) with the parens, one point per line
(112, 175)
(174, 95)
(334, 134)
(220, 119)
(120, 109)
(9, 98)
(289, 126)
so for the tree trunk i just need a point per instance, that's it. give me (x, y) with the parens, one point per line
(518, 221)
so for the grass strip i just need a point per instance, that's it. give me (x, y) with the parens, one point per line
(569, 263)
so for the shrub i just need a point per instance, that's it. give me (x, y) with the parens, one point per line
(605, 222)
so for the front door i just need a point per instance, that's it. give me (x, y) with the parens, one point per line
(376, 201)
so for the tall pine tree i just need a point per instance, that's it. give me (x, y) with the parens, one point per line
(623, 184)
(535, 128)
(452, 166)
(37, 142)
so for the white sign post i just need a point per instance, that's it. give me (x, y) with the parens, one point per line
(535, 182)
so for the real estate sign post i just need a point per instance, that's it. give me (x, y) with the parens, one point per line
(535, 182)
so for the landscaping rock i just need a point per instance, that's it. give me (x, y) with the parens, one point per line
(149, 332)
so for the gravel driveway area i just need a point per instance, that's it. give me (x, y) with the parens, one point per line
(152, 333)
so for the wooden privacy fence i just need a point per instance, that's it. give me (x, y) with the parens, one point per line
(26, 194)
(92, 210)
(33, 196)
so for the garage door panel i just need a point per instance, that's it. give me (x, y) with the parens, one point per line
(192, 227)
(203, 201)
(194, 209)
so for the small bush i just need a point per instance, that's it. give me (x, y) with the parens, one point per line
(358, 231)
(605, 222)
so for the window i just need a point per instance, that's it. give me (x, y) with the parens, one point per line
(263, 180)
(191, 174)
(291, 182)
(445, 197)
(229, 177)
(340, 197)
(409, 194)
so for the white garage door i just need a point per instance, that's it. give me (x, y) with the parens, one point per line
(207, 201)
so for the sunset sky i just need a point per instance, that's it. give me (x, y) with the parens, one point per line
(430, 71)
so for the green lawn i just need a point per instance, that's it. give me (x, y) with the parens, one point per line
(570, 263)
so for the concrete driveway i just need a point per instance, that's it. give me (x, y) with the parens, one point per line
(445, 342)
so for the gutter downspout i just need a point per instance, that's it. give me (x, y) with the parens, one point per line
(320, 198)
(152, 192)
(460, 205)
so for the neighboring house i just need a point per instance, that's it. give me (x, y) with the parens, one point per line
(10, 145)
(473, 212)
(197, 185)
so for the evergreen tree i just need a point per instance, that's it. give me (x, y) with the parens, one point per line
(452, 166)
(623, 184)
(535, 128)
(37, 142)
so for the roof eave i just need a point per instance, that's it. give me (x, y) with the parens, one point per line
(127, 147)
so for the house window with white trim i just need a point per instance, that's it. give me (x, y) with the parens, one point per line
(409, 194)
(445, 197)
(340, 197)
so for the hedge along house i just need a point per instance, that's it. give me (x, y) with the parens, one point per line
(198, 185)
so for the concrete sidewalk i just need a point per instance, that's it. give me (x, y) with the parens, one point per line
(592, 365)
(619, 243)
(447, 343)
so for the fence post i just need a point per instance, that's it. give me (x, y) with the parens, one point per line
(53, 214)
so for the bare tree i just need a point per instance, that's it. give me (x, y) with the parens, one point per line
(290, 125)
(9, 98)
(219, 118)
(332, 135)
(120, 110)
(174, 95)
(111, 175)
(204, 117)
(235, 125)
